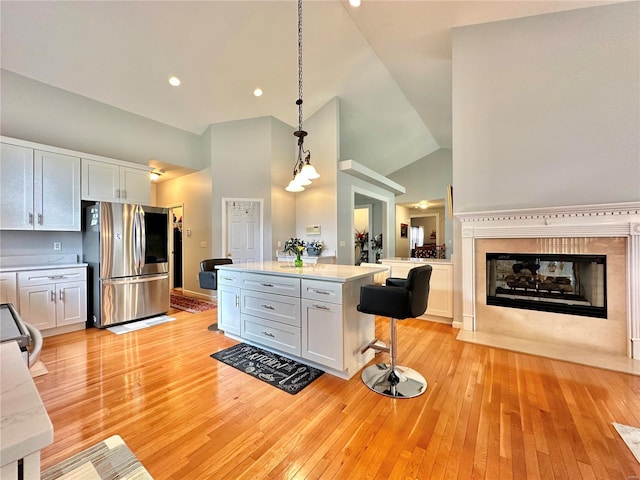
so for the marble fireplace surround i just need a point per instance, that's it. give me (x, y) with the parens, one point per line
(611, 229)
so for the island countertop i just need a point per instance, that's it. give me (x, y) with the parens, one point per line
(321, 271)
(413, 260)
(26, 427)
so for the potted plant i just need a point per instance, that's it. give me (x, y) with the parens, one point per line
(376, 245)
(314, 247)
(295, 246)
(361, 238)
(291, 246)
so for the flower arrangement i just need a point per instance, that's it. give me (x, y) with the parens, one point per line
(292, 246)
(376, 243)
(361, 238)
(316, 245)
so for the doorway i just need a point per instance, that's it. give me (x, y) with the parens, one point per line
(362, 222)
(377, 212)
(243, 226)
(176, 213)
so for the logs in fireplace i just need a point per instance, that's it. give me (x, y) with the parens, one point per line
(561, 283)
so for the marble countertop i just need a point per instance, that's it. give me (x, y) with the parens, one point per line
(24, 268)
(25, 427)
(19, 263)
(417, 260)
(320, 271)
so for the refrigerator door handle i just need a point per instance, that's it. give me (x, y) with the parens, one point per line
(143, 239)
(129, 280)
(136, 240)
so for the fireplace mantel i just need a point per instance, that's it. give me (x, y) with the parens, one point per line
(556, 223)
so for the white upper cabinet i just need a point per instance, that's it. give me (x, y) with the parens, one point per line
(39, 190)
(56, 191)
(112, 182)
(16, 188)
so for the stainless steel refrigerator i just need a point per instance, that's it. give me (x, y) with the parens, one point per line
(127, 249)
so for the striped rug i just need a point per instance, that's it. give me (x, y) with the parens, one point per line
(110, 459)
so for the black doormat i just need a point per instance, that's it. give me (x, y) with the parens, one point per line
(276, 370)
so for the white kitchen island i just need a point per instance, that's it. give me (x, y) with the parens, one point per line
(308, 314)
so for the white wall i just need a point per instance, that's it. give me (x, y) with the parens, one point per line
(546, 110)
(283, 203)
(194, 193)
(243, 165)
(40, 113)
(13, 242)
(427, 179)
(317, 204)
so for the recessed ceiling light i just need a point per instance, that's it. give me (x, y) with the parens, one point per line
(257, 92)
(354, 3)
(175, 81)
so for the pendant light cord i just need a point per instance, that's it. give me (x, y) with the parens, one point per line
(299, 102)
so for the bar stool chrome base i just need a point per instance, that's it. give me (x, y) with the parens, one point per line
(401, 382)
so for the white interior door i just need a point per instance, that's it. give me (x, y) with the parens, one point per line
(244, 231)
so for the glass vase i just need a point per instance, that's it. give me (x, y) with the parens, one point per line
(298, 261)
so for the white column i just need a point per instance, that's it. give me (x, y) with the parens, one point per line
(633, 304)
(468, 279)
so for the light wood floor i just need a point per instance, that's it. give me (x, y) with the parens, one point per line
(487, 413)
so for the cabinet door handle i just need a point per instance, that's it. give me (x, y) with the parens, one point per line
(55, 277)
(31, 219)
(321, 307)
(268, 334)
(237, 301)
(267, 284)
(321, 292)
(118, 193)
(39, 219)
(268, 307)
(61, 294)
(53, 295)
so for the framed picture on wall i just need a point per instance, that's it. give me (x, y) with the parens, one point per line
(403, 230)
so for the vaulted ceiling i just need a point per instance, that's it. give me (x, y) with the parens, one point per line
(389, 62)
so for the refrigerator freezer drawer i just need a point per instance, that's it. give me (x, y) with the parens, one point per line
(126, 299)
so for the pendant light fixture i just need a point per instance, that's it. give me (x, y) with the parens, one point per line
(303, 171)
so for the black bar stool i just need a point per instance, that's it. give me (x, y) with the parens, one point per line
(398, 299)
(208, 274)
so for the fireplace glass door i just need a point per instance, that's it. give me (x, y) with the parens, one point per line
(561, 283)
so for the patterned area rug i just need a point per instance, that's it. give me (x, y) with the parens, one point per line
(108, 460)
(276, 370)
(190, 304)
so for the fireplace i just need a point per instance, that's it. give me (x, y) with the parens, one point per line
(573, 284)
(606, 236)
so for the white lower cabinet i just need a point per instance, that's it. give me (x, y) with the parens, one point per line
(53, 298)
(8, 288)
(280, 336)
(322, 339)
(228, 308)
